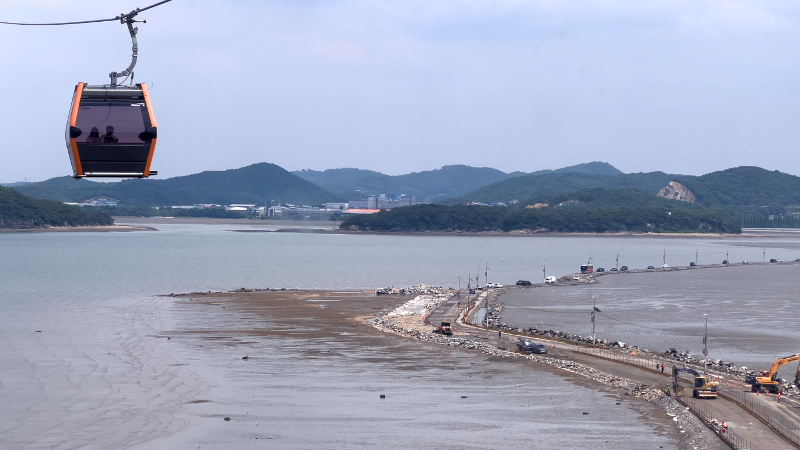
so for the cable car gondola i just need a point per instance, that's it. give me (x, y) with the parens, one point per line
(111, 131)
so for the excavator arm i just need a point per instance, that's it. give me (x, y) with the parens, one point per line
(780, 363)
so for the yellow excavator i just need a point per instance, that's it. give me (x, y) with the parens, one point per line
(767, 379)
(702, 387)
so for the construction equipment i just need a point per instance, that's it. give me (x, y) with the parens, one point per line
(445, 329)
(702, 387)
(768, 378)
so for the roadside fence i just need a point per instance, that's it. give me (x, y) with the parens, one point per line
(757, 405)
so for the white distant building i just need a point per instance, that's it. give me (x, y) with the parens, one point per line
(240, 207)
(384, 201)
(336, 206)
(105, 202)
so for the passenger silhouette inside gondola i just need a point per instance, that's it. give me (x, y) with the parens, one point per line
(94, 136)
(109, 137)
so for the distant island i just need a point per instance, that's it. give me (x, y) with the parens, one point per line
(588, 211)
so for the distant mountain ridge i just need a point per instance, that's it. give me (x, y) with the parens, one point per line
(441, 184)
(258, 184)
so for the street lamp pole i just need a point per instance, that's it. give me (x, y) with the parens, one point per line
(705, 345)
(544, 269)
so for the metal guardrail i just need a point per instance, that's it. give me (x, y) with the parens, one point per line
(729, 434)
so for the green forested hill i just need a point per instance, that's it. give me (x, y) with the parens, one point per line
(525, 188)
(745, 186)
(257, 183)
(437, 185)
(19, 212)
(617, 198)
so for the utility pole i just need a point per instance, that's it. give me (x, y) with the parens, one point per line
(665, 257)
(727, 258)
(594, 308)
(617, 259)
(705, 346)
(544, 270)
(459, 285)
(486, 274)
(695, 256)
(764, 256)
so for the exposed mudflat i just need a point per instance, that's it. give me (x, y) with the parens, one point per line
(315, 370)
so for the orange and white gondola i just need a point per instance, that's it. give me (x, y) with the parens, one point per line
(111, 131)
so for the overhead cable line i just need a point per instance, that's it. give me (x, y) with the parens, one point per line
(122, 18)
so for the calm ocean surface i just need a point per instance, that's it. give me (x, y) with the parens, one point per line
(93, 377)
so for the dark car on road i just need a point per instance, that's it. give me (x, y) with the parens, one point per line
(623, 268)
(692, 264)
(651, 268)
(613, 269)
(527, 346)
(725, 262)
(773, 260)
(524, 283)
(600, 269)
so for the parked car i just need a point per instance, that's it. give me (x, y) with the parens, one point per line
(527, 346)
(623, 268)
(692, 264)
(524, 283)
(600, 269)
(773, 260)
(613, 269)
(550, 280)
(576, 278)
(472, 291)
(665, 266)
(725, 261)
(494, 285)
(651, 268)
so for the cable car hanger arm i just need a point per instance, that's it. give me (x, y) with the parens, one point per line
(127, 72)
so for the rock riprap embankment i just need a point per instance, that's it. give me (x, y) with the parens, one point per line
(407, 321)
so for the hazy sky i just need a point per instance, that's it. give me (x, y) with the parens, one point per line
(399, 86)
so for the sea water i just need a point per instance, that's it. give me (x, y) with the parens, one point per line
(83, 366)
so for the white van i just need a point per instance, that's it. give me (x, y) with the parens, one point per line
(550, 280)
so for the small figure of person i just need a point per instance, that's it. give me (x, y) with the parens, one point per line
(779, 396)
(658, 366)
(94, 136)
(499, 334)
(662, 368)
(109, 137)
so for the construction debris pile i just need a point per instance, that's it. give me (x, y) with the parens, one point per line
(413, 290)
(717, 364)
(421, 305)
